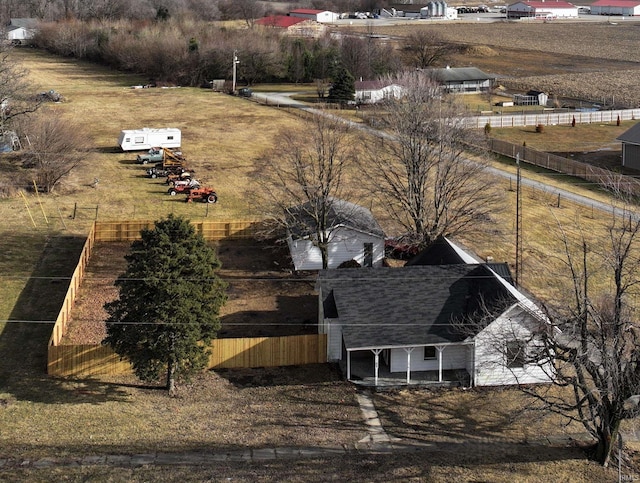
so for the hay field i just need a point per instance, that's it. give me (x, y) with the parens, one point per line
(599, 61)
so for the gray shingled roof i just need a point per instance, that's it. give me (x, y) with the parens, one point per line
(395, 307)
(340, 213)
(441, 252)
(459, 74)
(28, 23)
(631, 136)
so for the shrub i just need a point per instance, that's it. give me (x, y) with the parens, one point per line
(487, 129)
(540, 128)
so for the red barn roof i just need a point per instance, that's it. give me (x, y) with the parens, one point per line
(616, 3)
(280, 21)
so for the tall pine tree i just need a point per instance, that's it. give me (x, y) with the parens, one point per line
(343, 89)
(170, 298)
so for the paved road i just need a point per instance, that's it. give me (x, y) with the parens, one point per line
(283, 99)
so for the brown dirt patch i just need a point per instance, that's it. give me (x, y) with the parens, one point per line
(265, 297)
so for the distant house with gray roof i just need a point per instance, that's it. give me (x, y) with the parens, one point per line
(354, 234)
(21, 30)
(460, 321)
(462, 80)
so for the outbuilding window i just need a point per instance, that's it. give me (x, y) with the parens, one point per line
(515, 354)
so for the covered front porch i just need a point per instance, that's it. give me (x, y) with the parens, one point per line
(371, 368)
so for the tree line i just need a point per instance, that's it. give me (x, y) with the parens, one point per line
(190, 53)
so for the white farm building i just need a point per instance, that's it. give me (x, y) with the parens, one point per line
(322, 16)
(542, 10)
(626, 8)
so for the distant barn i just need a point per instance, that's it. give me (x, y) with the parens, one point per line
(626, 8)
(542, 10)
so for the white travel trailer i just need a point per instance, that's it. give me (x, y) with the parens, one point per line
(147, 138)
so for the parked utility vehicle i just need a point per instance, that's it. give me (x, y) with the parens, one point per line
(161, 170)
(206, 195)
(157, 154)
(184, 186)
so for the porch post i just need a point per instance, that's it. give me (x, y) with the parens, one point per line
(409, 350)
(348, 365)
(440, 349)
(376, 353)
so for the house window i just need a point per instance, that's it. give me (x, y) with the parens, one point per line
(430, 353)
(515, 354)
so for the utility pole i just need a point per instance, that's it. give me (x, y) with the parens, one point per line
(518, 221)
(235, 64)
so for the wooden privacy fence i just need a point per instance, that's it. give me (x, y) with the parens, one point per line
(99, 360)
(89, 360)
(106, 231)
(594, 174)
(115, 231)
(62, 321)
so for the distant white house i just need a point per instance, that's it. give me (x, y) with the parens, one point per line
(21, 30)
(370, 92)
(322, 16)
(462, 80)
(626, 8)
(354, 234)
(542, 10)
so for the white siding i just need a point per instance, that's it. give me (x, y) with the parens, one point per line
(631, 10)
(334, 340)
(20, 33)
(371, 96)
(453, 357)
(345, 245)
(490, 361)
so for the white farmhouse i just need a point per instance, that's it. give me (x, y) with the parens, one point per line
(542, 10)
(456, 323)
(322, 16)
(370, 92)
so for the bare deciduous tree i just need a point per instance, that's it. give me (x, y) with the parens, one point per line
(595, 338)
(57, 146)
(425, 48)
(17, 95)
(419, 171)
(303, 179)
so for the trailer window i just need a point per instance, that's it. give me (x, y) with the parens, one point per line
(127, 140)
(139, 140)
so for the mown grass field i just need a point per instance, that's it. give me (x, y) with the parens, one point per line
(224, 137)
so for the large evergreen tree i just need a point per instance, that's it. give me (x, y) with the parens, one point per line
(343, 88)
(170, 298)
